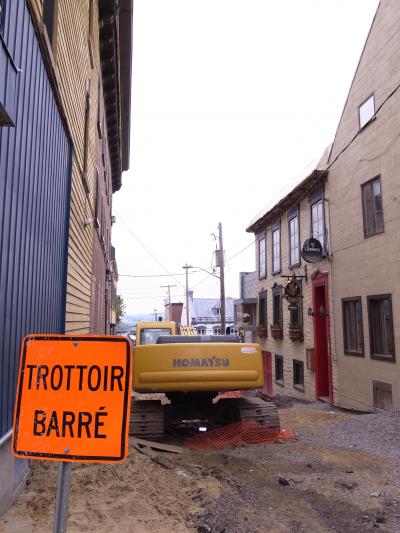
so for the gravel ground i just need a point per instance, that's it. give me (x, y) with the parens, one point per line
(374, 433)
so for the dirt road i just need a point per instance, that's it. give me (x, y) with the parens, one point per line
(314, 483)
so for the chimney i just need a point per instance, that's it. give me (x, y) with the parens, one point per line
(176, 312)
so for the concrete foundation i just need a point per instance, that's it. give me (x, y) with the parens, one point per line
(13, 474)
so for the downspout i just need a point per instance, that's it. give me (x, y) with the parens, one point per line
(332, 335)
(5, 437)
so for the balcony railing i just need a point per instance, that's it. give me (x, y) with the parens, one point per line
(211, 320)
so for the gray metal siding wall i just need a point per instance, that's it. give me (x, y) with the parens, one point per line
(35, 175)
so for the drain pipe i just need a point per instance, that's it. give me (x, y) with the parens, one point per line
(5, 438)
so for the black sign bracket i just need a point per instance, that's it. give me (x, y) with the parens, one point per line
(295, 276)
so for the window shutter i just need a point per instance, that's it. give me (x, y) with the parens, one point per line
(369, 211)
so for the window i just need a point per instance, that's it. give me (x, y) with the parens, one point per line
(298, 375)
(295, 315)
(382, 395)
(99, 117)
(317, 221)
(90, 33)
(381, 336)
(277, 306)
(279, 370)
(366, 111)
(353, 342)
(201, 330)
(262, 308)
(2, 15)
(372, 207)
(294, 238)
(276, 248)
(102, 222)
(262, 268)
(97, 201)
(216, 311)
(150, 335)
(50, 12)
(86, 138)
(217, 331)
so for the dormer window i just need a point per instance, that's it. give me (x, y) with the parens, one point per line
(217, 311)
(366, 111)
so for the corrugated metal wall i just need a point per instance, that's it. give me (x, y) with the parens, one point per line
(35, 175)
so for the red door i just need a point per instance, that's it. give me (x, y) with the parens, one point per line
(323, 369)
(267, 363)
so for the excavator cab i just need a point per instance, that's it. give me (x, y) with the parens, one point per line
(149, 332)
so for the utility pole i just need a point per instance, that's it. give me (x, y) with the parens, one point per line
(169, 298)
(222, 279)
(186, 267)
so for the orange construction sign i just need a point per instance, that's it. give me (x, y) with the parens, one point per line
(73, 398)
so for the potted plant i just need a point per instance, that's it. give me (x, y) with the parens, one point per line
(261, 331)
(295, 332)
(276, 331)
(246, 318)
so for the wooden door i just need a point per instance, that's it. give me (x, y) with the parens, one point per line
(267, 363)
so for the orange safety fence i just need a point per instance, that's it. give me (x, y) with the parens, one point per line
(237, 434)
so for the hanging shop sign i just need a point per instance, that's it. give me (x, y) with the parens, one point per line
(292, 291)
(73, 398)
(312, 250)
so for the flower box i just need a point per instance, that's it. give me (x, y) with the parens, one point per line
(295, 334)
(276, 332)
(261, 331)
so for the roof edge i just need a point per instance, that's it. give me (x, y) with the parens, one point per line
(290, 199)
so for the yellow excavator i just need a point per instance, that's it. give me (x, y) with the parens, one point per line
(191, 371)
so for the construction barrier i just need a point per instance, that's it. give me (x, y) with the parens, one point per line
(237, 434)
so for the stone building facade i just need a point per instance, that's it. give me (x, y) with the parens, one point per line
(295, 333)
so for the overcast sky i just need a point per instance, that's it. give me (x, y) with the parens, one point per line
(231, 100)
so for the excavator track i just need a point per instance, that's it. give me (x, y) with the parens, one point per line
(255, 409)
(147, 419)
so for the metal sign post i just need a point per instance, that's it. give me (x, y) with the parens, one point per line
(61, 511)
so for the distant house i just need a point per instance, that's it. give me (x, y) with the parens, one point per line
(246, 306)
(205, 315)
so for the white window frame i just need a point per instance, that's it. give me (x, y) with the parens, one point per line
(318, 221)
(276, 249)
(262, 256)
(294, 239)
(366, 111)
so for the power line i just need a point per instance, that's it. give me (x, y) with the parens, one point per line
(241, 251)
(152, 255)
(161, 297)
(153, 275)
